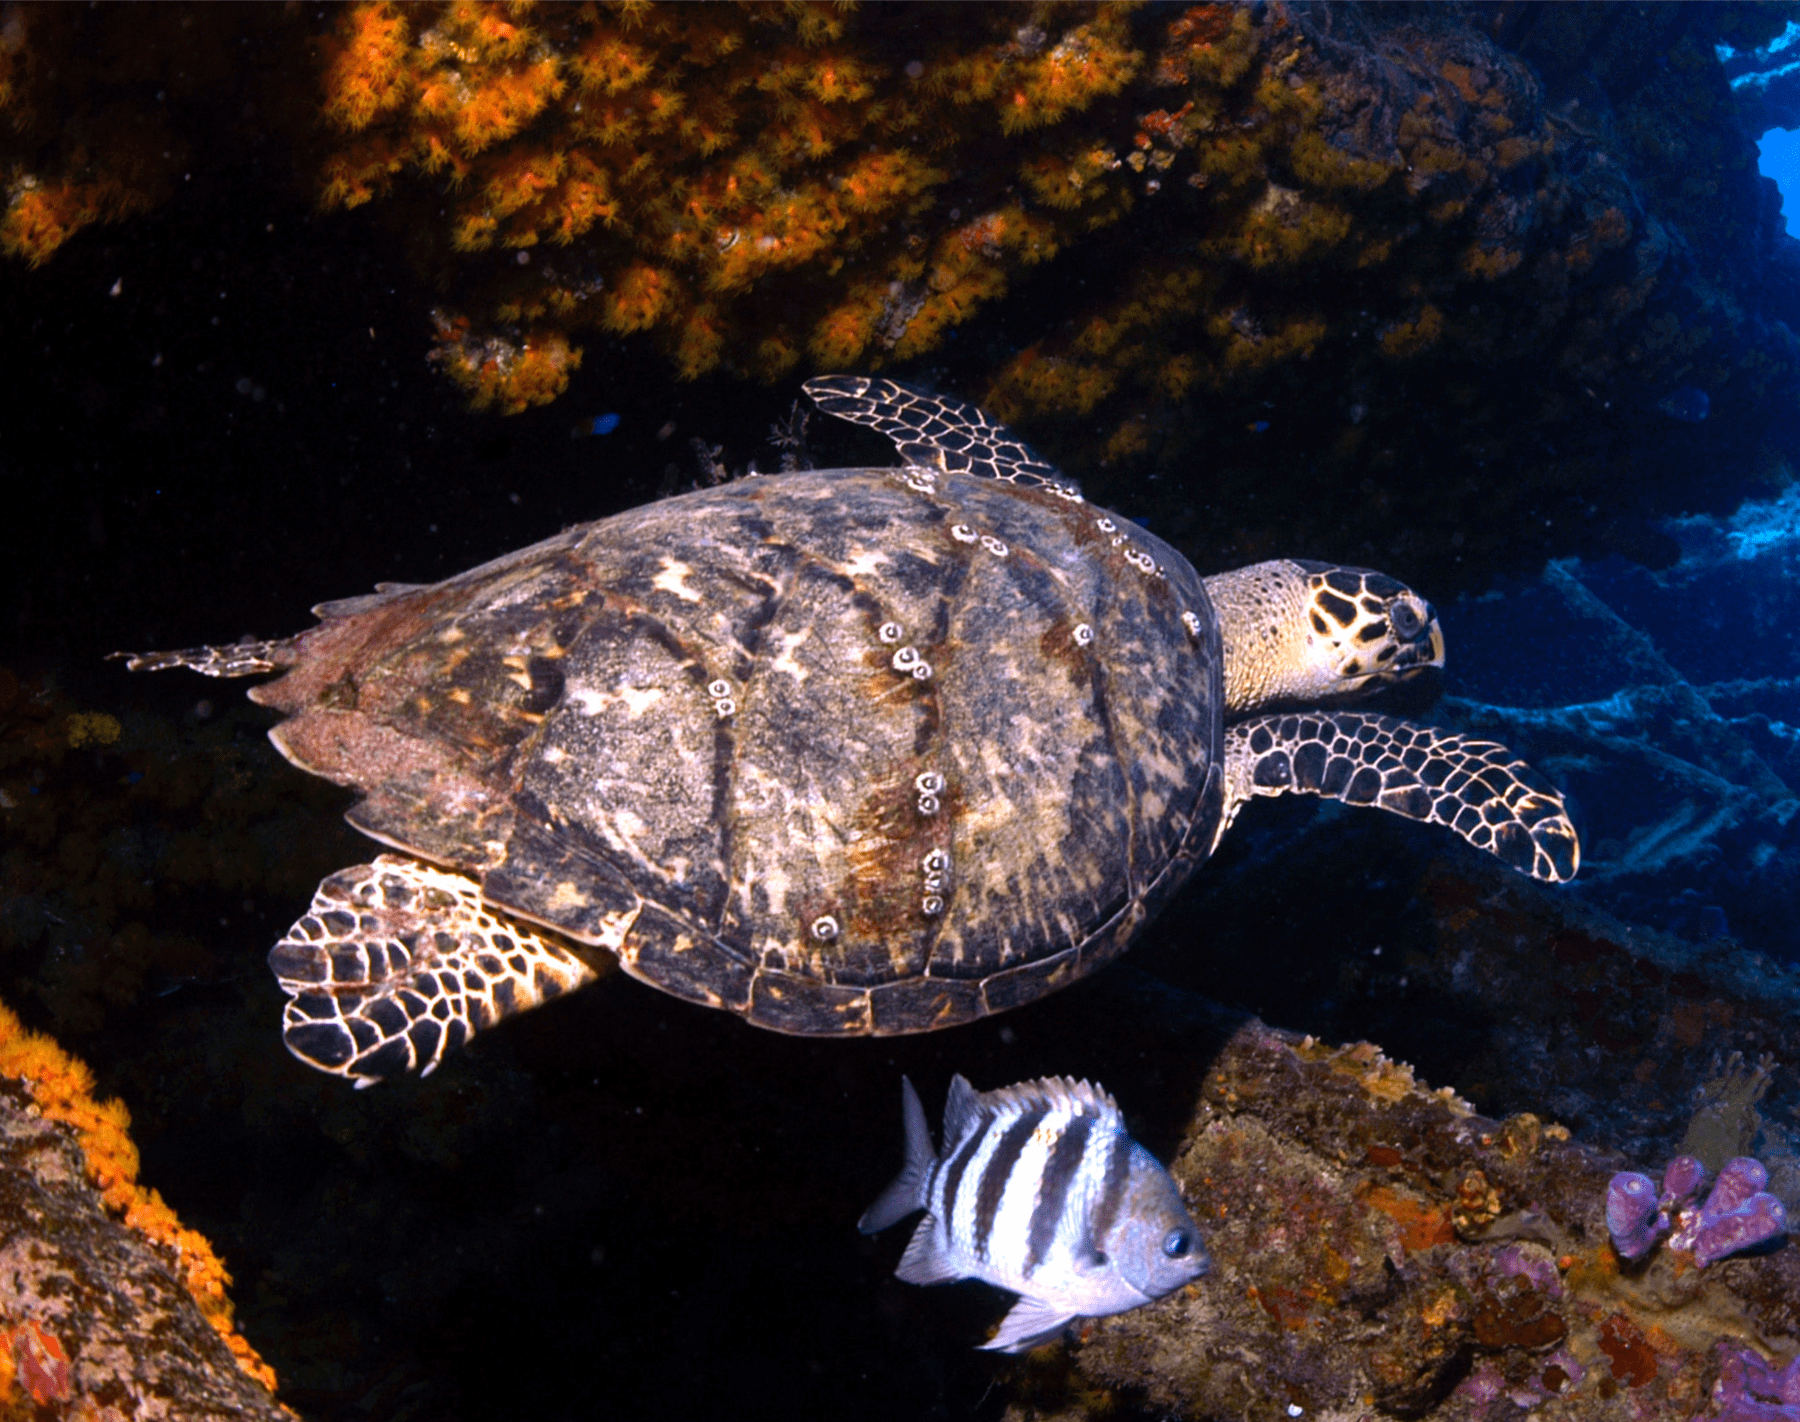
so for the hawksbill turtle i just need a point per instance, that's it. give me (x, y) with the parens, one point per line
(846, 751)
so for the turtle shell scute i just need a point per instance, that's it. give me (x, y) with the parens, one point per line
(950, 717)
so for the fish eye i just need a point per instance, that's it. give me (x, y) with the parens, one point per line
(1176, 1243)
(1406, 619)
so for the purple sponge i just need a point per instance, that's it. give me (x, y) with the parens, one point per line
(1631, 1214)
(1749, 1390)
(1738, 1213)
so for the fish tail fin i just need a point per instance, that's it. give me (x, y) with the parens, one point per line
(907, 1193)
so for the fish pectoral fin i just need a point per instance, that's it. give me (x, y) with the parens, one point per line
(1031, 1322)
(1090, 1258)
(924, 1262)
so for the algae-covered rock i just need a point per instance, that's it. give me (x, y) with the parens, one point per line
(99, 1321)
(1382, 1250)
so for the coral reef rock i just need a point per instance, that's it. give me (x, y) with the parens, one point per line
(98, 1316)
(1381, 1250)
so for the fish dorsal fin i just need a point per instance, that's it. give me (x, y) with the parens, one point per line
(959, 1110)
(1057, 1093)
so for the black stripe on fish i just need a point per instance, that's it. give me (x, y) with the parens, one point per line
(998, 1170)
(958, 1163)
(1053, 1190)
(1112, 1187)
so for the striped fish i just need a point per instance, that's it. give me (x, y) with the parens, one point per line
(1039, 1190)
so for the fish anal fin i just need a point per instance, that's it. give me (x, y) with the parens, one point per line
(1031, 1322)
(923, 1262)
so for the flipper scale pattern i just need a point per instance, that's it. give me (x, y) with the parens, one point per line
(1477, 788)
(935, 431)
(396, 963)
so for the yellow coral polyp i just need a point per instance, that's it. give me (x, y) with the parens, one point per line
(702, 339)
(839, 79)
(488, 31)
(839, 340)
(584, 199)
(642, 297)
(366, 74)
(41, 217)
(1090, 63)
(354, 175)
(522, 179)
(504, 103)
(610, 64)
(877, 182)
(62, 1089)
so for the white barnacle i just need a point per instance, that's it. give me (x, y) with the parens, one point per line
(718, 688)
(1083, 634)
(929, 782)
(906, 659)
(1143, 562)
(937, 861)
(1106, 525)
(1191, 621)
(931, 905)
(921, 671)
(928, 804)
(1068, 492)
(962, 533)
(890, 632)
(993, 545)
(824, 928)
(725, 707)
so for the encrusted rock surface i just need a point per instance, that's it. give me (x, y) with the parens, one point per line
(86, 1290)
(1381, 1250)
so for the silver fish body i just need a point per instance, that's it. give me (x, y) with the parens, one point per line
(1039, 1189)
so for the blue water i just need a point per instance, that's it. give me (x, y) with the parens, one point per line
(1780, 160)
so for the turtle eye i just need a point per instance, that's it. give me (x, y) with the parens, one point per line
(1405, 616)
(1177, 1243)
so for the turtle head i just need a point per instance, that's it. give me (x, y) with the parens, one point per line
(1316, 633)
(1366, 630)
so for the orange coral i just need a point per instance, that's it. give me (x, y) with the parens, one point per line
(62, 1088)
(712, 166)
(40, 216)
(504, 373)
(364, 75)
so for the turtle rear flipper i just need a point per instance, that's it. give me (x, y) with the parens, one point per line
(1478, 788)
(239, 659)
(396, 962)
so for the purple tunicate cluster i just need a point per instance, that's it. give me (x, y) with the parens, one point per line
(1738, 1214)
(1749, 1390)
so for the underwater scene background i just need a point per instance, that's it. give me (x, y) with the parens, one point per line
(1491, 297)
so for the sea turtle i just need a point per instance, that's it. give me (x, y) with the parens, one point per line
(847, 751)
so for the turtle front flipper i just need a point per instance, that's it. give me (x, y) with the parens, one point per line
(1478, 788)
(396, 962)
(935, 431)
(239, 659)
